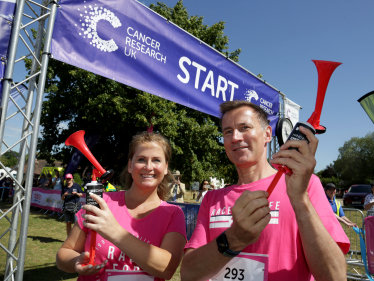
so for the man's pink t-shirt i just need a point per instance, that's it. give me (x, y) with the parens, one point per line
(150, 229)
(280, 239)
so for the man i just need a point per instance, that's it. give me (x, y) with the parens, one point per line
(330, 191)
(177, 189)
(240, 218)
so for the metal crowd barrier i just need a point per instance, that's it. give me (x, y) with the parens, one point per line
(190, 215)
(355, 264)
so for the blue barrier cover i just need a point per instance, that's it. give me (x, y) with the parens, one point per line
(190, 214)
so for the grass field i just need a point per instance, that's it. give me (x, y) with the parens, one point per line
(47, 233)
(45, 236)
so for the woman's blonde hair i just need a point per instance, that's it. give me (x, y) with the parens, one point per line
(142, 138)
(72, 180)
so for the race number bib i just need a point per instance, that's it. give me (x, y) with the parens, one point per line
(119, 275)
(248, 267)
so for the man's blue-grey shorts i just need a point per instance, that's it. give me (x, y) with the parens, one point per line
(70, 217)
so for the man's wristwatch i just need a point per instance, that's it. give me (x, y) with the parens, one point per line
(223, 246)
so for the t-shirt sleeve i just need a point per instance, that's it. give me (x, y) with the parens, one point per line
(200, 234)
(177, 223)
(324, 210)
(80, 220)
(368, 199)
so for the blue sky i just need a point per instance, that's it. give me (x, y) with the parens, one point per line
(280, 38)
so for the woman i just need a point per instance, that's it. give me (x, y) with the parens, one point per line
(70, 196)
(204, 188)
(369, 201)
(136, 229)
(57, 181)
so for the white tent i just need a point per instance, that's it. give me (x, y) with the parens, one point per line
(2, 171)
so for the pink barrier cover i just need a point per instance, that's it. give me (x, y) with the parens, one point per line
(49, 199)
(369, 230)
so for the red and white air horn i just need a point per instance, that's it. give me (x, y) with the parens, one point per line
(325, 70)
(77, 140)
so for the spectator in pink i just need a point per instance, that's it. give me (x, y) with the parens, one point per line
(136, 229)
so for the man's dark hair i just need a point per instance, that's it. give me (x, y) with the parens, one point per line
(330, 185)
(231, 105)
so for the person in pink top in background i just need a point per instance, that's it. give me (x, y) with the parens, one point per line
(241, 234)
(137, 231)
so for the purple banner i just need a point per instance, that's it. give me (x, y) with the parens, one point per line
(125, 41)
(7, 8)
(2, 72)
(90, 141)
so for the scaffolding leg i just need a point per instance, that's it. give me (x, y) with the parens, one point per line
(23, 189)
(34, 142)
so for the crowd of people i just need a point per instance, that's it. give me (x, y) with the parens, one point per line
(44, 181)
(296, 230)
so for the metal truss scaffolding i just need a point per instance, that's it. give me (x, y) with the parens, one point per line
(31, 112)
(273, 146)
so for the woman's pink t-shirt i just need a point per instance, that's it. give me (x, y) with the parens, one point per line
(150, 229)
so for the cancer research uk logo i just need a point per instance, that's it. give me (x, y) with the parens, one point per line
(90, 16)
(249, 94)
(264, 104)
(37, 197)
(137, 42)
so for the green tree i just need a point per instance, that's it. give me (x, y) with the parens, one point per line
(329, 175)
(329, 172)
(9, 159)
(355, 163)
(79, 100)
